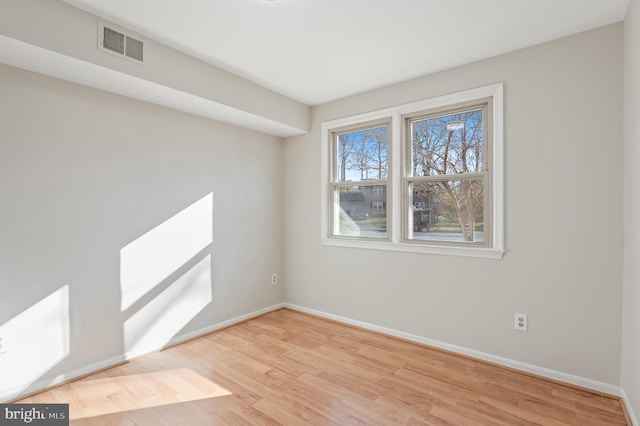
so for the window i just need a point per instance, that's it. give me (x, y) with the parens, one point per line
(447, 148)
(359, 173)
(422, 177)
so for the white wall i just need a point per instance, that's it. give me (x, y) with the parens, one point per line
(91, 184)
(631, 290)
(563, 192)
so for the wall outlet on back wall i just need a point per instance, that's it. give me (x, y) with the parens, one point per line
(521, 322)
(274, 279)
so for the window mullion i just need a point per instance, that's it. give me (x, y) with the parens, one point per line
(396, 196)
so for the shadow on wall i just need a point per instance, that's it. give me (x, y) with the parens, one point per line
(165, 278)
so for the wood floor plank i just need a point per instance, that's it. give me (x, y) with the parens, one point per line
(291, 368)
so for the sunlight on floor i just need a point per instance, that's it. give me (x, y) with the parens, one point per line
(125, 393)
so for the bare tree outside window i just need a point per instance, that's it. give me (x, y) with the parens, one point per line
(448, 151)
(379, 145)
(363, 154)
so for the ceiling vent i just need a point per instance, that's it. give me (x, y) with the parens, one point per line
(113, 40)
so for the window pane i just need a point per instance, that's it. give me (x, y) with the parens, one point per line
(448, 211)
(448, 144)
(363, 213)
(363, 154)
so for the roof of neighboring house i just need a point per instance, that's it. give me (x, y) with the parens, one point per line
(351, 196)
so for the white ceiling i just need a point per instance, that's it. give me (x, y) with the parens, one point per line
(319, 50)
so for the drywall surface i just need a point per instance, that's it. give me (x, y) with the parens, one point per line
(631, 290)
(563, 221)
(124, 225)
(54, 38)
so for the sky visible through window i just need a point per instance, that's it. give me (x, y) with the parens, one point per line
(363, 154)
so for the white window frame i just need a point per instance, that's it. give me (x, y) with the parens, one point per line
(335, 183)
(395, 178)
(375, 204)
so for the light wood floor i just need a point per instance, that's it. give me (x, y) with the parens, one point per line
(295, 369)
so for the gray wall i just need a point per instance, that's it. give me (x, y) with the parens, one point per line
(563, 192)
(54, 38)
(91, 182)
(631, 292)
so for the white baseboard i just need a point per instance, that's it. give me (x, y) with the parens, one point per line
(224, 324)
(42, 384)
(630, 413)
(206, 330)
(522, 366)
(529, 368)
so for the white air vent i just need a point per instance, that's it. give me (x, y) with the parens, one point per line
(113, 40)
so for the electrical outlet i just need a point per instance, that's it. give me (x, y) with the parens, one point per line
(521, 322)
(274, 279)
(3, 343)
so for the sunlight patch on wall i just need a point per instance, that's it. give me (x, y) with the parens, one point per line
(147, 261)
(140, 391)
(156, 323)
(36, 340)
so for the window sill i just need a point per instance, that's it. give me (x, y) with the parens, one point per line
(477, 252)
